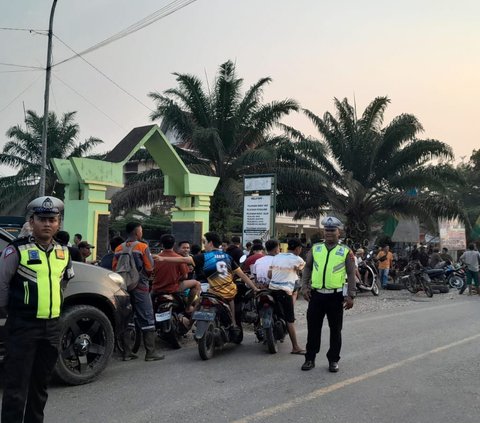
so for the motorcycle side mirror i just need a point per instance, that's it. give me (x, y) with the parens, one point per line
(242, 259)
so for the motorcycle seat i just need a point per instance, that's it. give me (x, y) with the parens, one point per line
(215, 297)
(435, 272)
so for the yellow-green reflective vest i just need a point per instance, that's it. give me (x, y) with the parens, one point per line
(329, 266)
(36, 289)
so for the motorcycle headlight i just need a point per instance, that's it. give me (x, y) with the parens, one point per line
(118, 280)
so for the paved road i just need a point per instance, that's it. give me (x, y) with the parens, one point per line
(417, 364)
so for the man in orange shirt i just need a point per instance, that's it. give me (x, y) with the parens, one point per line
(140, 296)
(170, 278)
(385, 258)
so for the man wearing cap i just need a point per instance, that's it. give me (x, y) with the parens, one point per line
(324, 287)
(85, 250)
(32, 271)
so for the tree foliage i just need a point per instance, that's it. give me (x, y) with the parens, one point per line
(23, 152)
(380, 169)
(225, 132)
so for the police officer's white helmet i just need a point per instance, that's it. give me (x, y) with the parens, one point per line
(45, 206)
(331, 222)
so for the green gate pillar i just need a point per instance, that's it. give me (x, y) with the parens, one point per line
(86, 207)
(86, 182)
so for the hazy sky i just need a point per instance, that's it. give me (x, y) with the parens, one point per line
(423, 54)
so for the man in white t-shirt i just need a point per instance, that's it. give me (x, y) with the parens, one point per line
(262, 266)
(283, 273)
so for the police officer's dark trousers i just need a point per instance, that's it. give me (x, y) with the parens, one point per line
(321, 305)
(32, 351)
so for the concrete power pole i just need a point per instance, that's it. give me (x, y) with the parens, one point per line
(43, 170)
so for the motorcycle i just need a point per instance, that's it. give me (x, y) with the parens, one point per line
(171, 319)
(416, 278)
(455, 275)
(369, 275)
(438, 279)
(270, 326)
(214, 328)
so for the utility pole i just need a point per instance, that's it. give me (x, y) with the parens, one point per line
(43, 170)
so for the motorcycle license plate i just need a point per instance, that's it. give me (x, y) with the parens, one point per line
(203, 315)
(161, 317)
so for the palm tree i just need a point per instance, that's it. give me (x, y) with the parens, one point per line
(23, 152)
(375, 170)
(468, 193)
(223, 133)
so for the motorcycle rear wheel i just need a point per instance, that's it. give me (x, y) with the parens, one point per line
(271, 341)
(411, 285)
(134, 334)
(456, 282)
(206, 344)
(171, 336)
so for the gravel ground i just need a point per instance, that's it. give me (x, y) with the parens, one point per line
(366, 302)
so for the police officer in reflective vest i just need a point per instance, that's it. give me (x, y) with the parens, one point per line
(32, 270)
(327, 265)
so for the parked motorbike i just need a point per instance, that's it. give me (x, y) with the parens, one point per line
(416, 278)
(438, 280)
(270, 326)
(455, 275)
(214, 327)
(171, 319)
(369, 276)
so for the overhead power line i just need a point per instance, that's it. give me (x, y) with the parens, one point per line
(161, 13)
(21, 66)
(104, 75)
(20, 70)
(88, 101)
(33, 83)
(37, 31)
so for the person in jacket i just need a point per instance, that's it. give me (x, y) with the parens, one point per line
(33, 272)
(328, 263)
(140, 296)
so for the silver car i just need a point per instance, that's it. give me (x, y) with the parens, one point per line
(96, 308)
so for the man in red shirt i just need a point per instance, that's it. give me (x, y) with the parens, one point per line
(257, 252)
(168, 278)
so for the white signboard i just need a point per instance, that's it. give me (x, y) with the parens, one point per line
(256, 217)
(262, 183)
(452, 235)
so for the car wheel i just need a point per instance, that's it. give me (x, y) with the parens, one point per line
(86, 344)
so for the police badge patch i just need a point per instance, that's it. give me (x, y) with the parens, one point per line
(33, 255)
(60, 254)
(8, 251)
